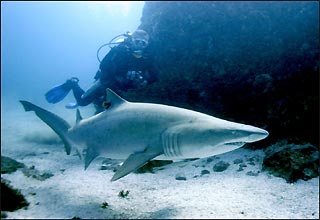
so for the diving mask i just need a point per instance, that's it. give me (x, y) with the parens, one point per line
(138, 45)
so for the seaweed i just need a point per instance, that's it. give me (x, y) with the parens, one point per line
(104, 205)
(123, 194)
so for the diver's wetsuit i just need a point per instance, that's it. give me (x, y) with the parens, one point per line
(113, 74)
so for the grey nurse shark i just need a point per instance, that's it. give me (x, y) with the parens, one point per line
(139, 132)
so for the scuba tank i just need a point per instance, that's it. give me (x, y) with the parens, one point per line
(114, 42)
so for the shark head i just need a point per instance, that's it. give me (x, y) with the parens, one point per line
(209, 137)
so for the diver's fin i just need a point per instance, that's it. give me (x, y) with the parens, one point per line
(78, 117)
(59, 125)
(71, 105)
(135, 161)
(91, 154)
(57, 93)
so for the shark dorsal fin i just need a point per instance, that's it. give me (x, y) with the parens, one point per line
(114, 99)
(78, 117)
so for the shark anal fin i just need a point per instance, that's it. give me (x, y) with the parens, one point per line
(78, 153)
(91, 154)
(135, 161)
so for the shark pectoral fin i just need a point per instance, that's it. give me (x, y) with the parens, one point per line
(135, 161)
(91, 154)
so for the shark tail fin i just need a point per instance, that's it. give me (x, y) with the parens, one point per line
(59, 125)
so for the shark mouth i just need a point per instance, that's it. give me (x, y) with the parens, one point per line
(235, 144)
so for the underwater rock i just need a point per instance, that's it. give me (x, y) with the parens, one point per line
(242, 165)
(9, 165)
(204, 172)
(180, 176)
(240, 169)
(11, 199)
(210, 159)
(250, 173)
(149, 167)
(36, 174)
(292, 162)
(110, 164)
(237, 161)
(220, 166)
(3, 215)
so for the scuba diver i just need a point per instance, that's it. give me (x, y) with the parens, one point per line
(126, 66)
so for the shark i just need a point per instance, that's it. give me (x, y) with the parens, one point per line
(138, 132)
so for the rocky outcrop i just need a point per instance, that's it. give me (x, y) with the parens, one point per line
(11, 199)
(9, 165)
(292, 162)
(251, 62)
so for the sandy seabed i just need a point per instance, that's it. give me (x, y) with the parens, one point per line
(74, 192)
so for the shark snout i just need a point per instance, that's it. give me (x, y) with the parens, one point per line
(257, 135)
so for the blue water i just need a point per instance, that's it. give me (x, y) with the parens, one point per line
(44, 43)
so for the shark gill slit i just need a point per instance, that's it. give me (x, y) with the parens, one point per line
(168, 142)
(171, 145)
(176, 145)
(164, 144)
